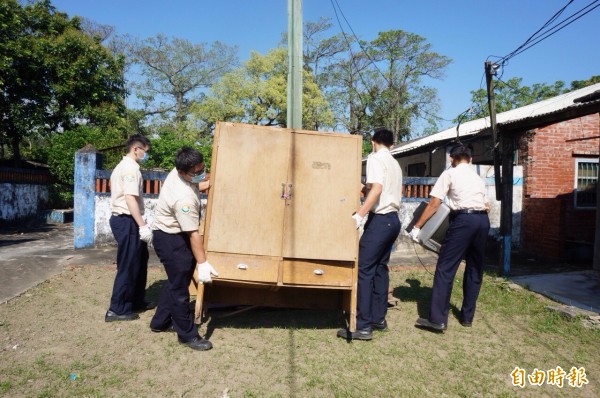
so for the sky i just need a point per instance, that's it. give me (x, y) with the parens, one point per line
(467, 31)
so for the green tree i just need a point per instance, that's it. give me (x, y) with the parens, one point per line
(53, 77)
(400, 95)
(256, 94)
(174, 73)
(511, 94)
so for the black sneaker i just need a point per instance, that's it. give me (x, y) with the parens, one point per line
(425, 323)
(360, 334)
(379, 326)
(114, 317)
(168, 329)
(197, 343)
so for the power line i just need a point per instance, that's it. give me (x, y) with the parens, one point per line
(546, 30)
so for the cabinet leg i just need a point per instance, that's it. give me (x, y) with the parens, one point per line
(199, 302)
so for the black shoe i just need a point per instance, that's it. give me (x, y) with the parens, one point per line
(113, 317)
(360, 334)
(197, 343)
(466, 324)
(427, 324)
(147, 306)
(379, 326)
(168, 329)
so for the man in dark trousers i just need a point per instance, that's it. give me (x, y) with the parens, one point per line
(131, 233)
(180, 249)
(465, 238)
(384, 184)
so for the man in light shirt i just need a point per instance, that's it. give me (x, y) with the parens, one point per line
(179, 247)
(131, 233)
(382, 202)
(465, 238)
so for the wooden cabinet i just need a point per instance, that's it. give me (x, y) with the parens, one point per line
(278, 223)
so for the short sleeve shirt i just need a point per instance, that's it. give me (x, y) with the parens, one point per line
(178, 206)
(463, 187)
(126, 179)
(383, 169)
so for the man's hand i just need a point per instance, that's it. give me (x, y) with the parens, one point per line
(204, 272)
(358, 219)
(414, 234)
(146, 234)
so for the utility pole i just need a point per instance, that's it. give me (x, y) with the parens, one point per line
(294, 81)
(490, 70)
(502, 181)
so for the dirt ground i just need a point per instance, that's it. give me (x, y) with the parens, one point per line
(54, 343)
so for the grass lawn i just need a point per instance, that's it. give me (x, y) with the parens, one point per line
(55, 343)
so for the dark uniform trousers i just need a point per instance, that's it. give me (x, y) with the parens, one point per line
(175, 253)
(465, 238)
(129, 287)
(380, 232)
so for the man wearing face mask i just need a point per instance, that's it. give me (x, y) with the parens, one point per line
(131, 233)
(179, 246)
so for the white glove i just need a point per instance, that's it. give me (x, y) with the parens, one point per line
(204, 272)
(414, 234)
(146, 234)
(358, 219)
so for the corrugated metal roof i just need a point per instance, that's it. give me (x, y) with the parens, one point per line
(534, 110)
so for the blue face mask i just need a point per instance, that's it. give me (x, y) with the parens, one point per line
(143, 158)
(199, 178)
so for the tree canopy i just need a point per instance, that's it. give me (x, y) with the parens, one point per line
(511, 94)
(53, 77)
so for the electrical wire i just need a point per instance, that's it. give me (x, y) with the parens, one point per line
(542, 34)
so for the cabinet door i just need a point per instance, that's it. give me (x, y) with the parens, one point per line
(325, 176)
(246, 208)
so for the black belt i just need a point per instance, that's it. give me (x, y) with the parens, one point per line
(469, 211)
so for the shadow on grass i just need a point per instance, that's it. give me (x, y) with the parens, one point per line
(279, 318)
(421, 295)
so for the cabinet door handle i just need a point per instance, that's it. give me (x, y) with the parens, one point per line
(318, 272)
(289, 192)
(283, 194)
(242, 266)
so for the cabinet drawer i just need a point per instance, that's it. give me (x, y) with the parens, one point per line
(317, 273)
(248, 268)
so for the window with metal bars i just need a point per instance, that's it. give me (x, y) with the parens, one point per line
(586, 180)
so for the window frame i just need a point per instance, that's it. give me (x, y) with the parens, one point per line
(576, 177)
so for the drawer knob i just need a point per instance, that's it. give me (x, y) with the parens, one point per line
(242, 266)
(318, 272)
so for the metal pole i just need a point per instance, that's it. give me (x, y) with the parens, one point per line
(489, 71)
(507, 202)
(294, 82)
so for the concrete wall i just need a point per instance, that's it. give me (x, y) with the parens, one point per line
(21, 201)
(102, 233)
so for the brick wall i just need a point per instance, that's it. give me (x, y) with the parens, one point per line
(550, 222)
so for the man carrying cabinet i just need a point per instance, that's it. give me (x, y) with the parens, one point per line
(131, 233)
(382, 202)
(180, 249)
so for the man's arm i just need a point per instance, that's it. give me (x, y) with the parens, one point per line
(372, 196)
(134, 209)
(430, 210)
(197, 246)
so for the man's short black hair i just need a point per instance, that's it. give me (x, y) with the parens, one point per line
(186, 158)
(383, 136)
(460, 152)
(138, 139)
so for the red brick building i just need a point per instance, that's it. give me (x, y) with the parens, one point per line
(554, 146)
(560, 166)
